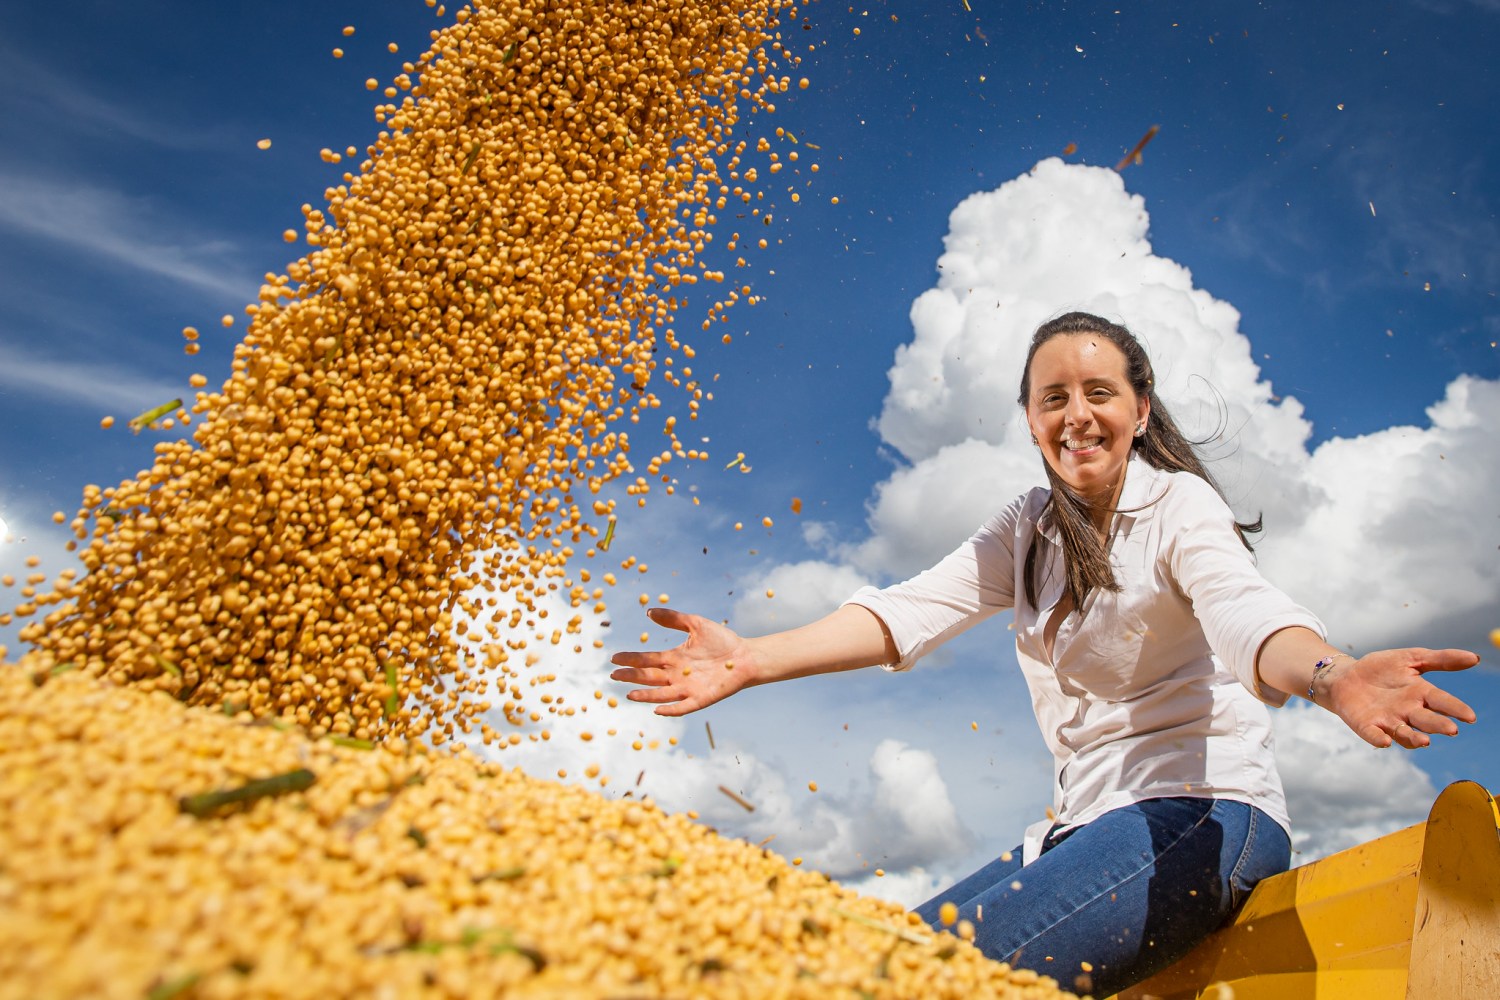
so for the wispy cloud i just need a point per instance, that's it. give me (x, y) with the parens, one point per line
(36, 88)
(1453, 6)
(99, 385)
(130, 233)
(1438, 227)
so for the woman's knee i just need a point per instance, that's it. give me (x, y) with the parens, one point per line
(963, 893)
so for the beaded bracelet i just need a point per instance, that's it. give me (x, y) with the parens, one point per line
(1318, 669)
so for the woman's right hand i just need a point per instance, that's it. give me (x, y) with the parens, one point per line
(711, 664)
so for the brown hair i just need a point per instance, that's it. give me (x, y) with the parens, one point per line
(1085, 558)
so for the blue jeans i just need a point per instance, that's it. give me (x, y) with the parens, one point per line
(1129, 893)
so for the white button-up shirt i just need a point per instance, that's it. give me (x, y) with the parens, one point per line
(1150, 691)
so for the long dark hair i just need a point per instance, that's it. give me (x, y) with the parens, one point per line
(1085, 556)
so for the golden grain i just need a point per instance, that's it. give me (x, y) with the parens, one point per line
(423, 417)
(426, 409)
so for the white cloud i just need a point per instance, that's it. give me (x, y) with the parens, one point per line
(922, 511)
(897, 812)
(100, 387)
(129, 233)
(63, 102)
(1061, 237)
(1340, 790)
(28, 531)
(1386, 535)
(1358, 529)
(801, 592)
(912, 797)
(1402, 529)
(910, 888)
(1391, 536)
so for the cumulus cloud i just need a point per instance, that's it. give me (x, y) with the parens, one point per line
(897, 812)
(800, 592)
(922, 511)
(28, 531)
(1388, 536)
(1398, 546)
(911, 888)
(1341, 791)
(1059, 238)
(1370, 530)
(911, 797)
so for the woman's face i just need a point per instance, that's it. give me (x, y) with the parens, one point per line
(1083, 412)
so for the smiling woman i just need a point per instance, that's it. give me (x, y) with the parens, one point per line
(1150, 644)
(1088, 390)
(1084, 415)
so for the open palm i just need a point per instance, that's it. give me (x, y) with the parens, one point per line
(711, 664)
(1385, 698)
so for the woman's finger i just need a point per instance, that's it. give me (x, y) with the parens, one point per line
(642, 658)
(1445, 659)
(678, 708)
(1410, 737)
(649, 676)
(658, 695)
(1373, 734)
(1431, 722)
(1450, 705)
(667, 618)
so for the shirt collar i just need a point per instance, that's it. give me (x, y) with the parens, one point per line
(1144, 485)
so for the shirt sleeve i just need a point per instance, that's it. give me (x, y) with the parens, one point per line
(1238, 609)
(971, 583)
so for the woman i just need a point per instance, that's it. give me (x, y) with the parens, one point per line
(1150, 645)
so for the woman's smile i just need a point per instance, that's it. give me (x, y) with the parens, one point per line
(1083, 413)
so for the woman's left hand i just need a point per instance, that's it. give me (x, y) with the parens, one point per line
(1385, 698)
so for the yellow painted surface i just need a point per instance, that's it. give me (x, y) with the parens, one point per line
(1455, 951)
(1422, 904)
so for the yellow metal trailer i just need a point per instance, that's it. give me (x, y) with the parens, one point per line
(1411, 916)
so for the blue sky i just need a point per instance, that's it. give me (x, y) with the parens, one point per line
(1328, 170)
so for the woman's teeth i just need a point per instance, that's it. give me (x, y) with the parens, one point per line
(1078, 444)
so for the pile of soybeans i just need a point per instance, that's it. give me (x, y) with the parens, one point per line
(218, 763)
(394, 873)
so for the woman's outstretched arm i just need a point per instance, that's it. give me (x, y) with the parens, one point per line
(714, 661)
(1383, 696)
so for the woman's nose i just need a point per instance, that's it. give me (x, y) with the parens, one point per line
(1077, 411)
